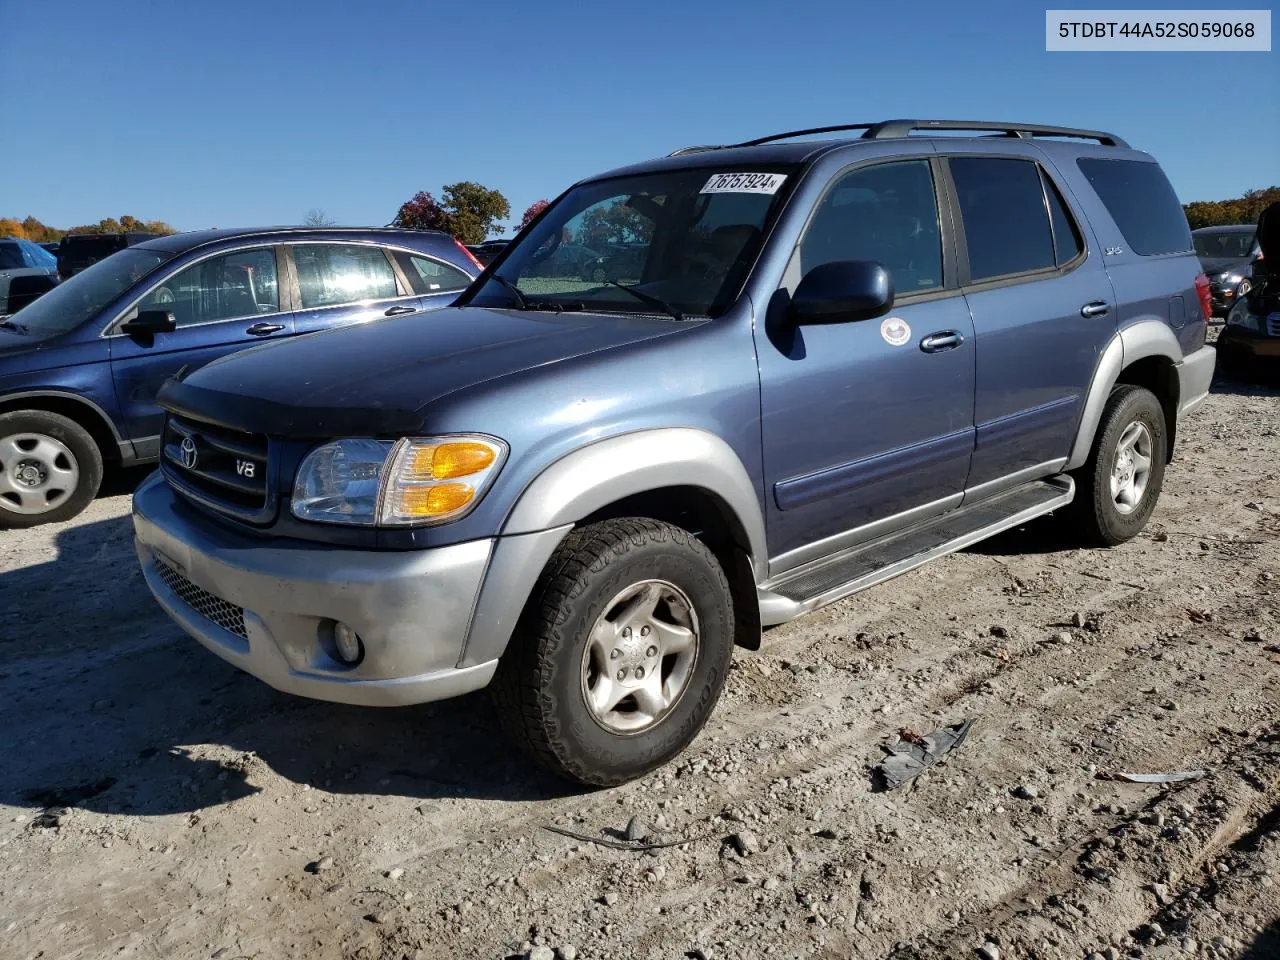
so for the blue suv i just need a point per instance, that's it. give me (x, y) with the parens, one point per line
(80, 367)
(835, 360)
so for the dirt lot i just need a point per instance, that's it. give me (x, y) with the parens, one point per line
(155, 803)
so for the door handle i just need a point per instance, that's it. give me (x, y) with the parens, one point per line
(396, 311)
(264, 328)
(1096, 308)
(941, 341)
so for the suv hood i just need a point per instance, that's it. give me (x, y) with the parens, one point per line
(376, 378)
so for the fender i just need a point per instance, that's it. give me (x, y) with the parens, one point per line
(588, 480)
(125, 447)
(1146, 338)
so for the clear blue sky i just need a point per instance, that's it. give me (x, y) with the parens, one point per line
(248, 113)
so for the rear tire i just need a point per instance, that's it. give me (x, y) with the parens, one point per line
(1117, 488)
(621, 652)
(50, 468)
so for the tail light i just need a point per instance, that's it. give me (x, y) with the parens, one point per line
(467, 253)
(1206, 300)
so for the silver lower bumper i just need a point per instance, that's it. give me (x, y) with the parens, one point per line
(412, 609)
(1195, 374)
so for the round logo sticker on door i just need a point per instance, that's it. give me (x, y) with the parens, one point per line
(895, 331)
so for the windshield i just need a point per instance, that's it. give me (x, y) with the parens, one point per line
(78, 299)
(684, 240)
(1222, 244)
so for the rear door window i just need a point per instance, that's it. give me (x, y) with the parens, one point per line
(10, 257)
(1002, 207)
(430, 276)
(1067, 244)
(1141, 201)
(331, 274)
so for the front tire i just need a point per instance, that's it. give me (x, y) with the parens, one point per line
(50, 468)
(1117, 489)
(621, 653)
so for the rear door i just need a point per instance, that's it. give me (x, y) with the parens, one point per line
(1043, 309)
(341, 283)
(221, 303)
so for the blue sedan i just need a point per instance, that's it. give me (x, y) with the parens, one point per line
(80, 367)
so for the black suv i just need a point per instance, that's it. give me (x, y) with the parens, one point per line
(80, 250)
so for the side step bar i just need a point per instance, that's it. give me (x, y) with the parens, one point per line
(824, 581)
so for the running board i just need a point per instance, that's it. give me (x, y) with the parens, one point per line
(824, 581)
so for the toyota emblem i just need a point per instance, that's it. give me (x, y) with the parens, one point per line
(189, 453)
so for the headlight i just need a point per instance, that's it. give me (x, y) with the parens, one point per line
(1241, 316)
(339, 482)
(413, 482)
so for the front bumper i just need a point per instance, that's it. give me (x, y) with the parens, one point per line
(266, 606)
(1195, 374)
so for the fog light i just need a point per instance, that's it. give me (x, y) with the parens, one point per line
(350, 649)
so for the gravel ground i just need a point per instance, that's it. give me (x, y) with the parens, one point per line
(156, 803)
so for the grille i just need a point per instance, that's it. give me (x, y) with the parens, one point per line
(225, 614)
(226, 469)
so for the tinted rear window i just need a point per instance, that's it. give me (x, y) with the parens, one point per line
(1006, 226)
(1141, 201)
(10, 256)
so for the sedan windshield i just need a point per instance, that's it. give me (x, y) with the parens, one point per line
(1235, 244)
(79, 298)
(678, 243)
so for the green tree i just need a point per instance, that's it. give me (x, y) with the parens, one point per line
(1218, 213)
(617, 223)
(467, 211)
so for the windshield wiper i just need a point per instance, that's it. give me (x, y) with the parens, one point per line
(648, 298)
(14, 326)
(515, 291)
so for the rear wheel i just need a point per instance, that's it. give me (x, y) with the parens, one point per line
(621, 653)
(1117, 489)
(50, 468)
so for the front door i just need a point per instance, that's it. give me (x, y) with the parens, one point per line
(870, 421)
(222, 303)
(1043, 308)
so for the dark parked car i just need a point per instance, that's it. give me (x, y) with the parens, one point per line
(486, 251)
(51, 246)
(845, 358)
(77, 251)
(80, 367)
(1226, 257)
(27, 271)
(1251, 336)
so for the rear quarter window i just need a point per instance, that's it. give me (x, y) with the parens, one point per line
(1141, 201)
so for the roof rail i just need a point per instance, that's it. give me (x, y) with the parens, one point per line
(891, 129)
(888, 129)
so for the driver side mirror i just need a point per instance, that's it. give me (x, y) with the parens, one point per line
(843, 291)
(150, 322)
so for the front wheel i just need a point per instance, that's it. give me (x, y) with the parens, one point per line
(50, 468)
(621, 653)
(1117, 489)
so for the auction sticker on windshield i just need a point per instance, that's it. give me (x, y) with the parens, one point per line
(744, 183)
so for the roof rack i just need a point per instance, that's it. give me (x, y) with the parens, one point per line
(891, 129)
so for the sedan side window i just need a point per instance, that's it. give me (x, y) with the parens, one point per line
(431, 276)
(234, 285)
(887, 212)
(330, 274)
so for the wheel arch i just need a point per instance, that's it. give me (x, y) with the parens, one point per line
(1144, 354)
(86, 413)
(687, 477)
